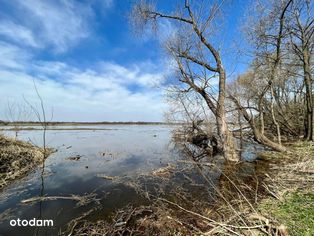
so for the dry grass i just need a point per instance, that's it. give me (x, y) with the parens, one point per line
(17, 158)
(81, 200)
(290, 182)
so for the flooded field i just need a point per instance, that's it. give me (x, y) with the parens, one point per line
(99, 169)
(84, 164)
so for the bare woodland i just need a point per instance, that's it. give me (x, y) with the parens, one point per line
(272, 100)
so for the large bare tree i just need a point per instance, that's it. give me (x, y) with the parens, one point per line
(198, 60)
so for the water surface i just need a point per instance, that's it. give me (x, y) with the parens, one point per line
(110, 150)
(127, 153)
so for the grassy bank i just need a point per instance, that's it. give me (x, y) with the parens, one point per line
(295, 211)
(290, 183)
(17, 158)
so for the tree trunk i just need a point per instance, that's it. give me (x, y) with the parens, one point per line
(273, 115)
(227, 144)
(308, 129)
(226, 138)
(262, 139)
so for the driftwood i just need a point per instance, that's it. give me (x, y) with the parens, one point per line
(74, 158)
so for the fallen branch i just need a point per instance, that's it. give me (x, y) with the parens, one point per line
(81, 200)
(107, 177)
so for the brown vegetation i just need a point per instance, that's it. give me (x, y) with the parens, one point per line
(18, 158)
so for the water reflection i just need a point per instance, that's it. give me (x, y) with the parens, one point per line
(119, 151)
(126, 155)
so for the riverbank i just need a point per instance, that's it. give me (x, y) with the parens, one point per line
(290, 185)
(18, 158)
(273, 197)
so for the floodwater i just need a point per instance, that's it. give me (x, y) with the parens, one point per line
(123, 152)
(110, 150)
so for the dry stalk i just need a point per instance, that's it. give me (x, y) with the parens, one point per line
(81, 200)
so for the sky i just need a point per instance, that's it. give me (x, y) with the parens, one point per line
(86, 61)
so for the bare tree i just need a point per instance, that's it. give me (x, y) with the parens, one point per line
(41, 117)
(302, 42)
(15, 113)
(198, 61)
(268, 34)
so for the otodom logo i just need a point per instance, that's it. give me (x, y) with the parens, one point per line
(33, 222)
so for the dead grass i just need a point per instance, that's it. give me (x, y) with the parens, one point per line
(17, 158)
(143, 220)
(290, 183)
(164, 171)
(81, 200)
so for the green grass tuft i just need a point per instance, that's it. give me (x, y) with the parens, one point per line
(296, 212)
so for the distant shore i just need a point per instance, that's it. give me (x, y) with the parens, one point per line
(61, 123)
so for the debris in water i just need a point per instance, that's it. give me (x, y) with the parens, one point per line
(81, 200)
(75, 158)
(164, 171)
(106, 177)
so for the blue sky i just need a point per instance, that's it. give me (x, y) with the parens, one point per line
(87, 62)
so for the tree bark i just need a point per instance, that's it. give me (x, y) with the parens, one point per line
(308, 129)
(226, 138)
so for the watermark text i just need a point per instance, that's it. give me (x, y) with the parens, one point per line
(32, 222)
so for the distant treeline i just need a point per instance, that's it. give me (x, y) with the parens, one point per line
(55, 123)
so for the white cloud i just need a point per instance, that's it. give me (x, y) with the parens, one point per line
(18, 33)
(60, 24)
(56, 25)
(142, 74)
(104, 93)
(107, 91)
(166, 30)
(12, 56)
